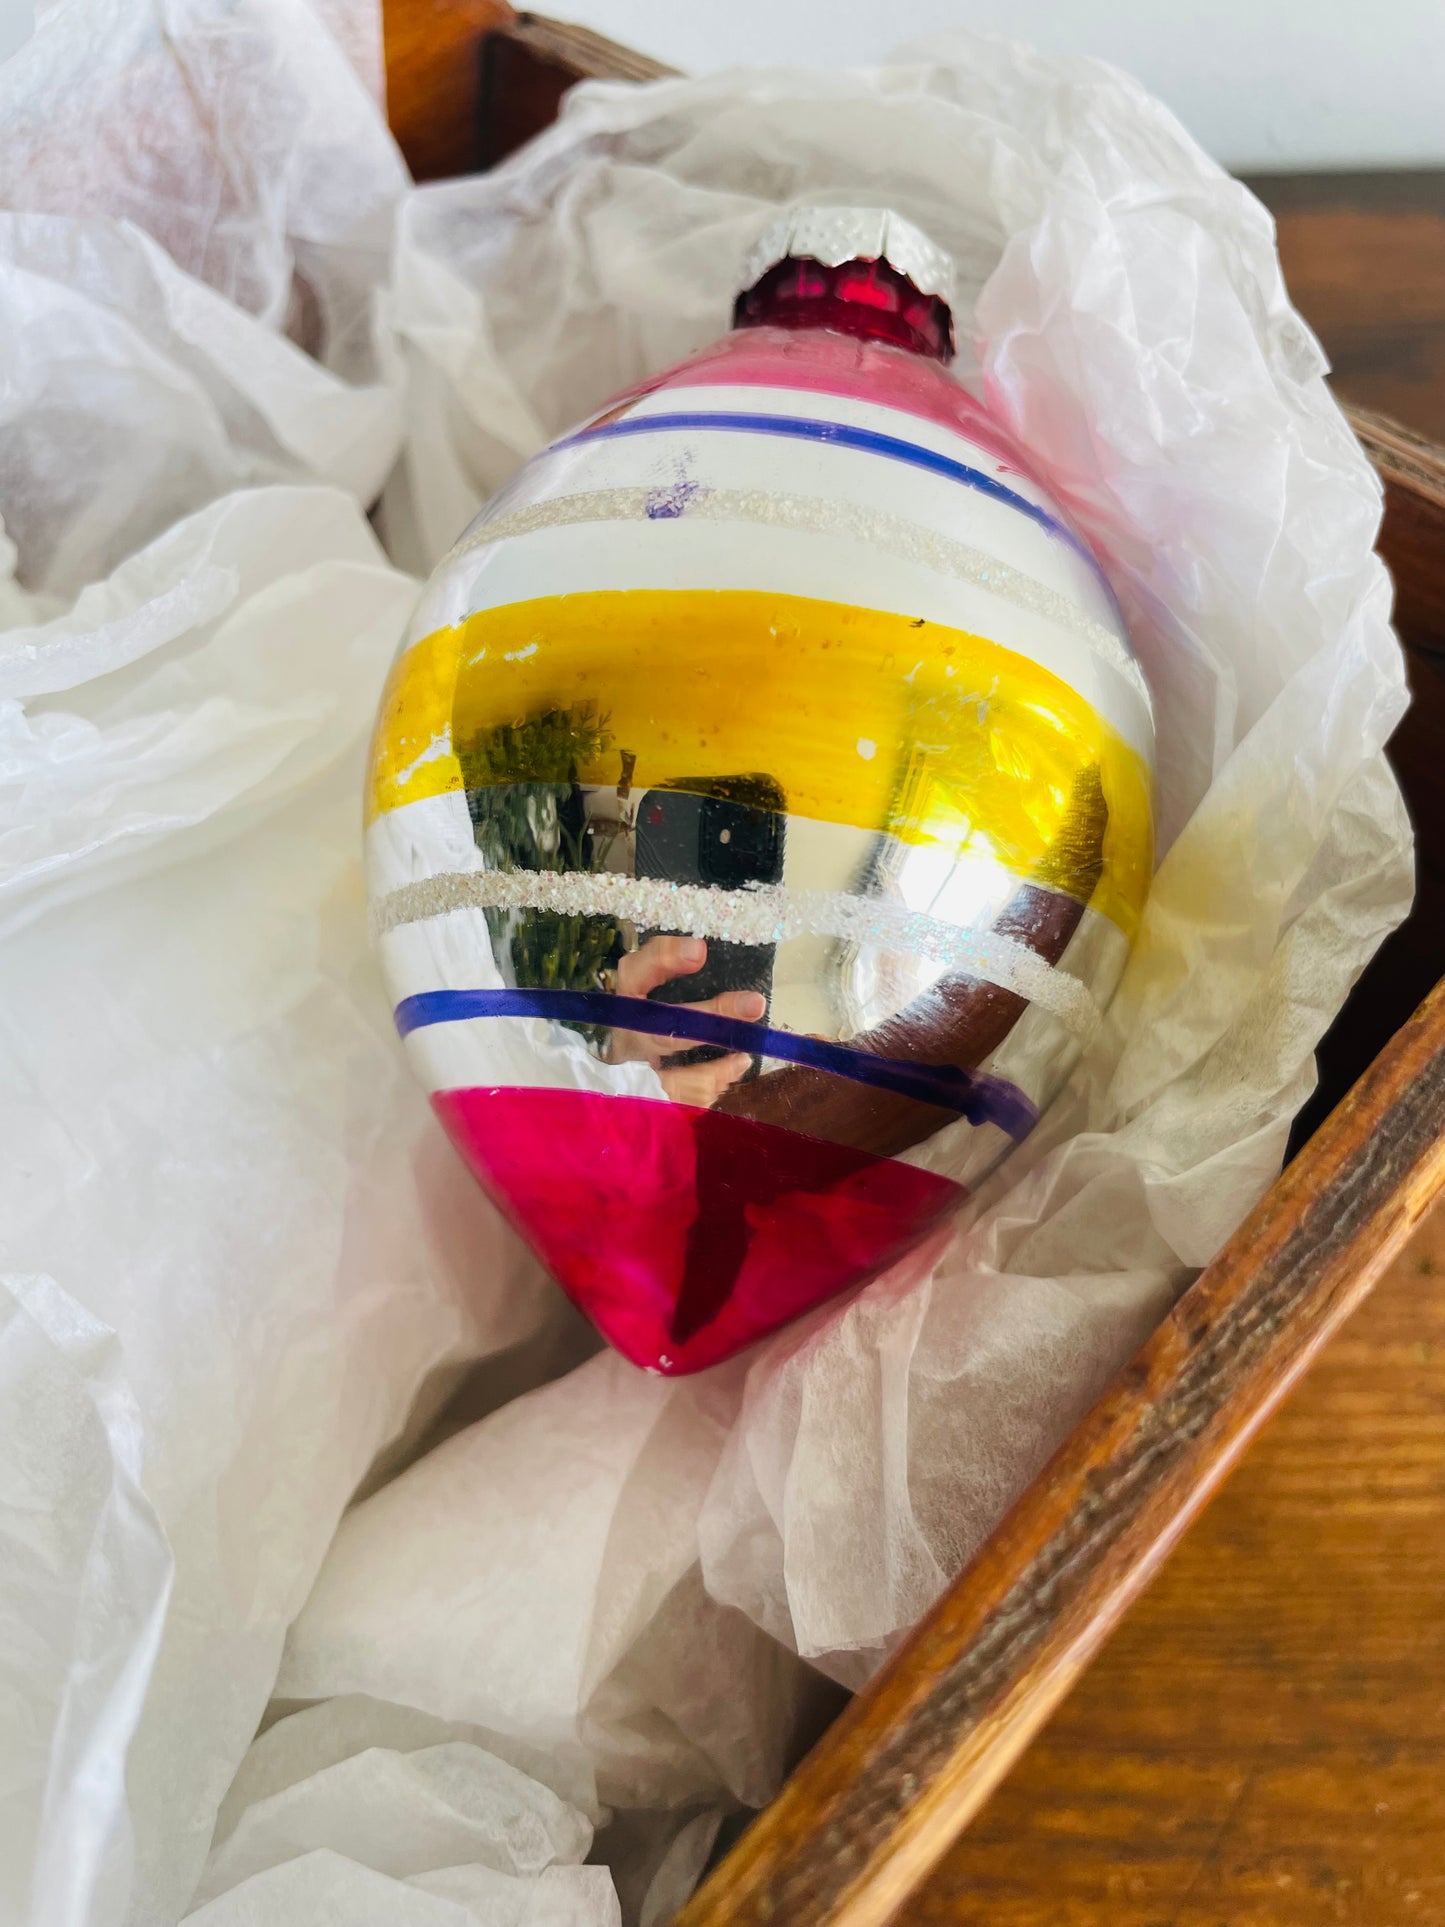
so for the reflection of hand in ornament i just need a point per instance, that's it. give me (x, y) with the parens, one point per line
(658, 961)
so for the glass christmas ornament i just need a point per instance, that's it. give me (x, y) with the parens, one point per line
(759, 810)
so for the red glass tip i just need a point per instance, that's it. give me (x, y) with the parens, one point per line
(870, 299)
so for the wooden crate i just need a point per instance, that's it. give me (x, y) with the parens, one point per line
(866, 1817)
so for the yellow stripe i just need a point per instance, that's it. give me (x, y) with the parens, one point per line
(863, 718)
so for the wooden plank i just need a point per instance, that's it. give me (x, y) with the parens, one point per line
(581, 53)
(528, 67)
(1262, 1742)
(1413, 470)
(1364, 259)
(469, 80)
(868, 1815)
(434, 80)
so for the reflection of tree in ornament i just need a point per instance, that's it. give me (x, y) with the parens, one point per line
(1074, 862)
(527, 814)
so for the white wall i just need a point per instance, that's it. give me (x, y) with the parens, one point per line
(1261, 83)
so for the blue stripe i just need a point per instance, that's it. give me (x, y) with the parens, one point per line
(839, 435)
(974, 1094)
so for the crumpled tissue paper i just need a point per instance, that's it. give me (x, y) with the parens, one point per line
(405, 1815)
(244, 1270)
(593, 1637)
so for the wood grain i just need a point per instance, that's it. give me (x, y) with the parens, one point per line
(527, 68)
(867, 1816)
(1364, 259)
(434, 61)
(1263, 1741)
(1414, 472)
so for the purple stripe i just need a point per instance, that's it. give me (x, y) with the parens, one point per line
(980, 1098)
(838, 435)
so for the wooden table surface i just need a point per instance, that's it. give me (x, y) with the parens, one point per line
(1262, 1744)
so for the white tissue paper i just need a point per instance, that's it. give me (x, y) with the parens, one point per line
(593, 1635)
(321, 1887)
(404, 1814)
(245, 1267)
(206, 1138)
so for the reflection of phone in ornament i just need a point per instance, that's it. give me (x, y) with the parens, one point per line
(725, 839)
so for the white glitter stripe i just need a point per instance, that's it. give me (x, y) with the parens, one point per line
(817, 516)
(758, 915)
